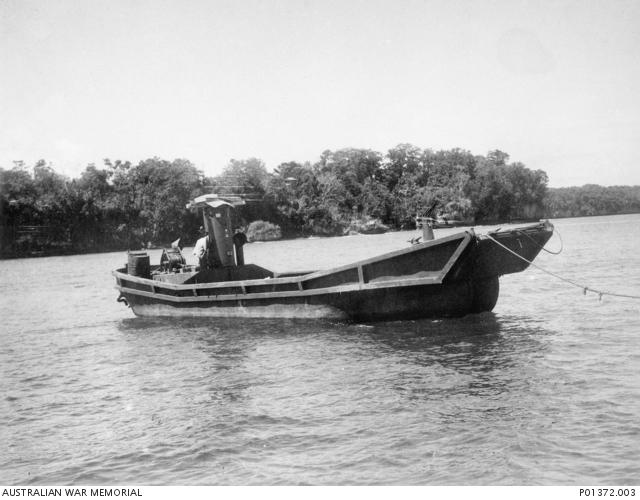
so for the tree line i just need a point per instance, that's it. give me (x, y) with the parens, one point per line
(119, 205)
(592, 199)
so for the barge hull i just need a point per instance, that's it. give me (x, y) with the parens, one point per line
(409, 302)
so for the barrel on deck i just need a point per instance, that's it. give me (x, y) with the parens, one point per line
(139, 265)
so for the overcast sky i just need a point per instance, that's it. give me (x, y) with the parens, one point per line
(556, 84)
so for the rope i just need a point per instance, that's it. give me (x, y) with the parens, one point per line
(585, 289)
(543, 248)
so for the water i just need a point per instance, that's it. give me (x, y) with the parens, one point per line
(544, 390)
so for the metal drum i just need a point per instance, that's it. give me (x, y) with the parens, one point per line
(138, 265)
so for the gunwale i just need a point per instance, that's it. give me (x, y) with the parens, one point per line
(284, 294)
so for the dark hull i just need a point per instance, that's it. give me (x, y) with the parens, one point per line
(450, 277)
(411, 302)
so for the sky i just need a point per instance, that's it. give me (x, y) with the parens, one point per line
(556, 84)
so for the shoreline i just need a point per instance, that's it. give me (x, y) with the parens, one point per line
(48, 253)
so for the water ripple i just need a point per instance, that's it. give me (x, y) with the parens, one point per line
(542, 391)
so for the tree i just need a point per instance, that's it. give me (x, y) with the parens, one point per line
(247, 177)
(404, 160)
(497, 157)
(504, 192)
(375, 200)
(162, 191)
(293, 191)
(350, 168)
(18, 194)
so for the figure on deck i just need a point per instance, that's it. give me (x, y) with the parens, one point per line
(200, 248)
(206, 252)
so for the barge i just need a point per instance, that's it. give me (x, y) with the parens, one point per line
(450, 276)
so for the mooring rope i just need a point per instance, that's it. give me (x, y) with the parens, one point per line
(584, 288)
(541, 246)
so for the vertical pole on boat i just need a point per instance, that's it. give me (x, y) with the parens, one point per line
(427, 229)
(427, 223)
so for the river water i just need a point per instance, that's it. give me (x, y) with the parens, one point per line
(543, 391)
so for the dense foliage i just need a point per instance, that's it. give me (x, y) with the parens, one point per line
(592, 200)
(260, 230)
(117, 207)
(122, 206)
